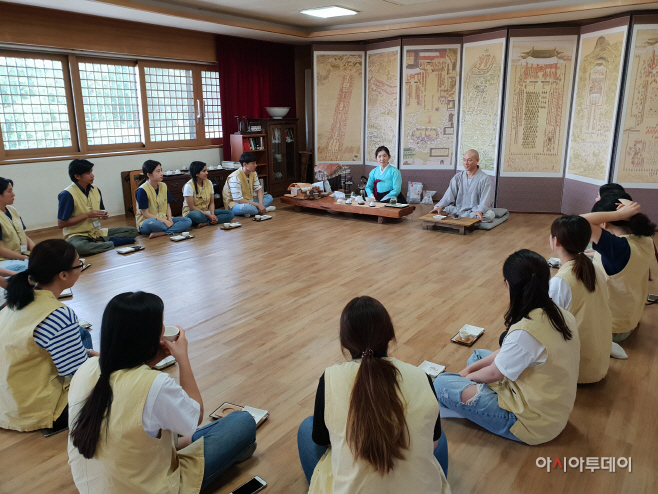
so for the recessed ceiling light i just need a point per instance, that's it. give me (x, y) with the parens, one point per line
(331, 11)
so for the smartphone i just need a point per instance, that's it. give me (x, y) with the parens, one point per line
(254, 485)
(652, 299)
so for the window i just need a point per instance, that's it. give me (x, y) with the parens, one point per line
(111, 103)
(35, 112)
(212, 107)
(170, 100)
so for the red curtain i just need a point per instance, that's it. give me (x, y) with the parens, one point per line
(253, 74)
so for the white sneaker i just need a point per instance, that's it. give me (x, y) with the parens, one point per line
(269, 209)
(618, 352)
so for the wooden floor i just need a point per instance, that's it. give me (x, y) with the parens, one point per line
(261, 306)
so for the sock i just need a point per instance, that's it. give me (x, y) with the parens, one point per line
(269, 209)
(121, 241)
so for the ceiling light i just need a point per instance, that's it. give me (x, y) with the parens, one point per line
(326, 12)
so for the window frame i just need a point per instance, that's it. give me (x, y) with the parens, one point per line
(6, 154)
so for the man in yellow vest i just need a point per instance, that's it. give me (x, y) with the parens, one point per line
(80, 212)
(242, 192)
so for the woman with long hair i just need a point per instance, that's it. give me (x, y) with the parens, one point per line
(580, 287)
(153, 205)
(385, 180)
(199, 197)
(623, 240)
(43, 344)
(126, 418)
(379, 415)
(15, 245)
(524, 391)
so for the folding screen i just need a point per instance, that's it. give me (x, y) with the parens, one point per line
(482, 97)
(338, 72)
(601, 54)
(636, 163)
(540, 69)
(382, 99)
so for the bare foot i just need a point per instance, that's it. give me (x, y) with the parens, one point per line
(201, 225)
(156, 234)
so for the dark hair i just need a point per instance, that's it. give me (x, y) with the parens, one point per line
(611, 187)
(195, 169)
(377, 429)
(130, 336)
(247, 158)
(639, 224)
(574, 233)
(79, 167)
(47, 260)
(527, 275)
(382, 148)
(4, 184)
(149, 166)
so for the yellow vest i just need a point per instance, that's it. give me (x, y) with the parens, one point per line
(127, 460)
(13, 235)
(418, 473)
(594, 322)
(157, 202)
(629, 288)
(247, 186)
(543, 396)
(202, 196)
(83, 204)
(32, 394)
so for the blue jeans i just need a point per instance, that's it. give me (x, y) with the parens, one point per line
(242, 209)
(225, 442)
(198, 217)
(483, 409)
(85, 335)
(310, 453)
(14, 265)
(156, 226)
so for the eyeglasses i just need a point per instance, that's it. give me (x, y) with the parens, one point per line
(77, 267)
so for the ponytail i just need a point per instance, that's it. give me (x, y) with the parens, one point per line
(47, 260)
(573, 233)
(377, 430)
(86, 431)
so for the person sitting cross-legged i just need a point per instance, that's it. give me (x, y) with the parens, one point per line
(199, 197)
(242, 192)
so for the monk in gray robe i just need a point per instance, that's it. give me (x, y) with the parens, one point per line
(470, 193)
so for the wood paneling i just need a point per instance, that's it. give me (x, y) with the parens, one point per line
(51, 28)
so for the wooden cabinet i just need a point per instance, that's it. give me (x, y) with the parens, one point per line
(175, 184)
(282, 154)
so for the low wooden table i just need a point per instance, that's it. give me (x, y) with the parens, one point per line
(462, 224)
(329, 204)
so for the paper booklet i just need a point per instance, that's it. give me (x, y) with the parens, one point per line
(227, 408)
(432, 369)
(472, 330)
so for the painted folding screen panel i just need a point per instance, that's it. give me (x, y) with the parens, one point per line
(482, 97)
(594, 117)
(429, 103)
(382, 99)
(339, 105)
(540, 72)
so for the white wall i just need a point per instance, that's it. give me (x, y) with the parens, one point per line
(37, 184)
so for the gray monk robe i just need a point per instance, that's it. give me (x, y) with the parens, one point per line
(466, 195)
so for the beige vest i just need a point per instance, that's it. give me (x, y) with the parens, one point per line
(247, 186)
(418, 473)
(82, 204)
(157, 202)
(32, 394)
(202, 197)
(13, 235)
(127, 460)
(594, 322)
(629, 288)
(543, 396)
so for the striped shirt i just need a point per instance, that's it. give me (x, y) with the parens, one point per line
(59, 333)
(236, 187)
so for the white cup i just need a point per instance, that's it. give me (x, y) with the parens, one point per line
(464, 334)
(293, 191)
(171, 333)
(185, 234)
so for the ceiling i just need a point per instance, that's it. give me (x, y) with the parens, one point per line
(280, 20)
